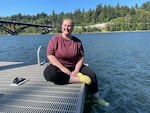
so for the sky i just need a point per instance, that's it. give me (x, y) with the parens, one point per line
(33, 7)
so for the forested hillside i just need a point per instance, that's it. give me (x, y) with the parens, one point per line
(116, 18)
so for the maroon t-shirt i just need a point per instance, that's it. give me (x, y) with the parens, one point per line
(67, 52)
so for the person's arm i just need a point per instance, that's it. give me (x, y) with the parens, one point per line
(53, 60)
(77, 67)
(80, 62)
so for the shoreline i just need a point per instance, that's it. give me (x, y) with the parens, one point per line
(83, 32)
(113, 32)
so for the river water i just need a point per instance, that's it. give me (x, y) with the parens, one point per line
(120, 60)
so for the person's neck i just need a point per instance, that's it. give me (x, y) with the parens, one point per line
(68, 37)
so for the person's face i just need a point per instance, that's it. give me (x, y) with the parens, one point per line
(67, 27)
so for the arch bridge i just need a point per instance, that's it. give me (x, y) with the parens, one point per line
(14, 27)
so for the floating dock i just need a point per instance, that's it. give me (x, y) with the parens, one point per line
(37, 95)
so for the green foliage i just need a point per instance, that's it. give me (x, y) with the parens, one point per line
(117, 18)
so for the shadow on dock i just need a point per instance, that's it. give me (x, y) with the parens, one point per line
(10, 66)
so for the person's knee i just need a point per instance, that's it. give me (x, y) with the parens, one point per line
(46, 74)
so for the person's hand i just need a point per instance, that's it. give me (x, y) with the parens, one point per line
(73, 73)
(65, 70)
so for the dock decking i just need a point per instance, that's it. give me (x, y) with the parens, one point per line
(37, 95)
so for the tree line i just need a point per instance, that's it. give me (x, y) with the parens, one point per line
(116, 18)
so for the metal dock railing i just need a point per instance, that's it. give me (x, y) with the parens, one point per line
(37, 95)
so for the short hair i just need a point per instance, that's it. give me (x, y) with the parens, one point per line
(70, 20)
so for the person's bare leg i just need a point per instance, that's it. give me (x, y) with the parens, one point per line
(80, 78)
(74, 79)
(99, 100)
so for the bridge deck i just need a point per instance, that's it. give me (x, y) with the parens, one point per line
(6, 26)
(37, 95)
